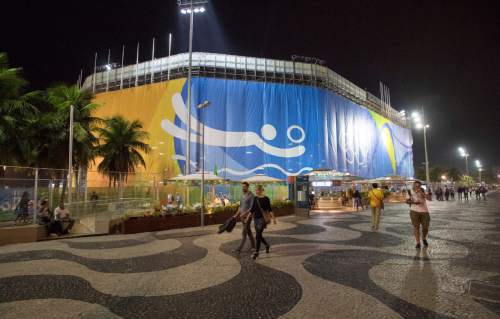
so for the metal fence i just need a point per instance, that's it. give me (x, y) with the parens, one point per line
(93, 199)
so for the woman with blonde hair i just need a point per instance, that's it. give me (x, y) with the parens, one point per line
(262, 214)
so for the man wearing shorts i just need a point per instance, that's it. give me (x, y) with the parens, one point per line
(419, 213)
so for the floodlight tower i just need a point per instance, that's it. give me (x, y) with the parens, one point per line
(190, 7)
(465, 154)
(479, 169)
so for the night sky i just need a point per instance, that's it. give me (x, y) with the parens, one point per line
(443, 55)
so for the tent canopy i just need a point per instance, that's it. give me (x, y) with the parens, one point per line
(262, 178)
(209, 177)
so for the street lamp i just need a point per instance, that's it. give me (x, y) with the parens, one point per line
(200, 107)
(465, 154)
(190, 7)
(479, 169)
(419, 120)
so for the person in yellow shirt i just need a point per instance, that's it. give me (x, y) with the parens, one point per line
(376, 197)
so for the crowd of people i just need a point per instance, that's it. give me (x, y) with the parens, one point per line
(464, 193)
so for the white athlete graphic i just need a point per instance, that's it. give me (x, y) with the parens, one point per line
(216, 137)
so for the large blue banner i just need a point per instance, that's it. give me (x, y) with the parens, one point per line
(285, 130)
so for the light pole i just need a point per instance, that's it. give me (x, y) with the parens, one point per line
(420, 123)
(200, 107)
(190, 7)
(465, 154)
(70, 153)
(479, 169)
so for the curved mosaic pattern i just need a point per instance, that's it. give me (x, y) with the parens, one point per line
(323, 267)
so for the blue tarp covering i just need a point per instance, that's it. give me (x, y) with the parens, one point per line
(288, 129)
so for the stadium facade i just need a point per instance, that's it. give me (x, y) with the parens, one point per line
(281, 118)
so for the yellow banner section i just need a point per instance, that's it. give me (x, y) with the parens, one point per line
(149, 104)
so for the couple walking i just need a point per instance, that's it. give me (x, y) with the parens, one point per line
(258, 208)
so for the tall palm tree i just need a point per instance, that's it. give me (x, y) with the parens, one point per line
(17, 113)
(54, 127)
(84, 123)
(122, 144)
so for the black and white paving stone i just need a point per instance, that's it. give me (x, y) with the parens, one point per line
(328, 266)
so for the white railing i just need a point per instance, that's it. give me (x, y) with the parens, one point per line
(237, 67)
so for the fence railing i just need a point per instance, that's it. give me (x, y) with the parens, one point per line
(237, 67)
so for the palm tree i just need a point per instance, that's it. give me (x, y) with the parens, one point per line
(17, 113)
(84, 123)
(122, 145)
(55, 125)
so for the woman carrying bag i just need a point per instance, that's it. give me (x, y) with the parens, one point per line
(262, 215)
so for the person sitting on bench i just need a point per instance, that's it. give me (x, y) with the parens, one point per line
(62, 215)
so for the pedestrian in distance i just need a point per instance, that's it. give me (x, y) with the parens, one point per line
(466, 194)
(478, 193)
(244, 213)
(262, 215)
(358, 202)
(452, 193)
(484, 190)
(376, 197)
(446, 193)
(419, 213)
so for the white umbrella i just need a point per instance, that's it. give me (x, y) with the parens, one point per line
(262, 178)
(197, 177)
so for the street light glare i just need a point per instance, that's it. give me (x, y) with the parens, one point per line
(419, 125)
(184, 11)
(415, 115)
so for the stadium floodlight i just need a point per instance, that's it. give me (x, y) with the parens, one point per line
(478, 164)
(190, 7)
(463, 153)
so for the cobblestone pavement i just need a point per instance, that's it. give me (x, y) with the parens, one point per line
(328, 266)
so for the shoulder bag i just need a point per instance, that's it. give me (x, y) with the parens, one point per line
(265, 214)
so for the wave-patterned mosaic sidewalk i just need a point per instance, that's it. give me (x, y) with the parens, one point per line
(328, 266)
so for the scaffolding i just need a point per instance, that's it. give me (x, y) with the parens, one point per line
(238, 68)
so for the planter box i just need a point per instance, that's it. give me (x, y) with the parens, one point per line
(135, 225)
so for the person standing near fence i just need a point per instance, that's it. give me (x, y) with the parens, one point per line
(376, 197)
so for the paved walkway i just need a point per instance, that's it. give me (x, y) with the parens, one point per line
(329, 266)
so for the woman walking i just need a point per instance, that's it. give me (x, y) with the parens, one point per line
(261, 210)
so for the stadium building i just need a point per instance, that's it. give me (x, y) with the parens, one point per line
(280, 118)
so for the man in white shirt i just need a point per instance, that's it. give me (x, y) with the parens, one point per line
(419, 213)
(62, 215)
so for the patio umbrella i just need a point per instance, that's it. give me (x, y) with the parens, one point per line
(262, 178)
(209, 177)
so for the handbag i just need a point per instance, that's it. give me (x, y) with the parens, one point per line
(265, 214)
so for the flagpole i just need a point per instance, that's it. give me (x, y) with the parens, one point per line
(151, 64)
(169, 53)
(137, 65)
(123, 61)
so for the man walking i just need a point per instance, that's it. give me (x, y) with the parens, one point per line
(246, 203)
(419, 213)
(376, 197)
